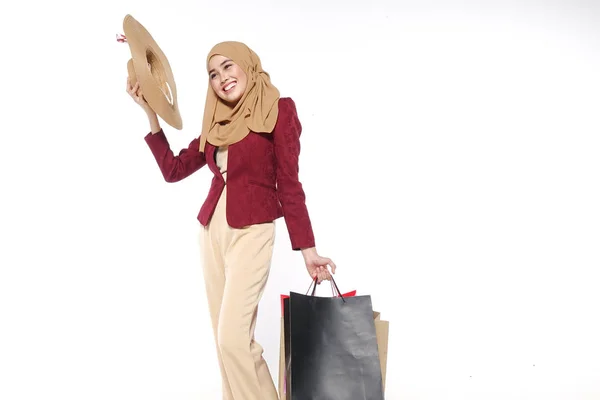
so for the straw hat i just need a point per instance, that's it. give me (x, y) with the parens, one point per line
(149, 66)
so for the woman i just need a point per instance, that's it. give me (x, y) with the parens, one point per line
(250, 141)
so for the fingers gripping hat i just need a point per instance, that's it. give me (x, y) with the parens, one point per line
(149, 66)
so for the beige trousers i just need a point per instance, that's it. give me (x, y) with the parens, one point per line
(236, 264)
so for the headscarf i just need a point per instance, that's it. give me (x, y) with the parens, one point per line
(256, 110)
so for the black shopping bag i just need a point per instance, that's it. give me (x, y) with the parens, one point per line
(331, 349)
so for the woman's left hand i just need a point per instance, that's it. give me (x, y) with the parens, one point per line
(317, 265)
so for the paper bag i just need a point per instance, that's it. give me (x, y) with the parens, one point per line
(334, 351)
(382, 329)
(284, 346)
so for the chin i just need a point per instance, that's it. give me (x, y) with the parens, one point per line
(232, 99)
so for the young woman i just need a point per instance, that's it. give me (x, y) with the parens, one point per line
(250, 140)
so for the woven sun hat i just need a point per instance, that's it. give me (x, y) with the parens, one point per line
(149, 66)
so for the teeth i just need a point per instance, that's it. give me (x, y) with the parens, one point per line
(232, 84)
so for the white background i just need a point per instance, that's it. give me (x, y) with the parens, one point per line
(450, 156)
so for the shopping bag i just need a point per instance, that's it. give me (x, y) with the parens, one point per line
(284, 345)
(382, 329)
(331, 351)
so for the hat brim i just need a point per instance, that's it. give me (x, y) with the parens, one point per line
(145, 51)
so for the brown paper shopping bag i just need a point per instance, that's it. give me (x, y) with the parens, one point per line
(382, 329)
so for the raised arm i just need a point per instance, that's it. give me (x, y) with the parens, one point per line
(175, 167)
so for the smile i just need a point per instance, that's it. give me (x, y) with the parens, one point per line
(229, 87)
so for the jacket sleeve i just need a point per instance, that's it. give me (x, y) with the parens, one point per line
(290, 192)
(175, 167)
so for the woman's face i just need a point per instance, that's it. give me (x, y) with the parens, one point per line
(227, 79)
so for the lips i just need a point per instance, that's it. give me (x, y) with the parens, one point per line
(227, 88)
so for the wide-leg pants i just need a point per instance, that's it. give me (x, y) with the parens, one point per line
(236, 264)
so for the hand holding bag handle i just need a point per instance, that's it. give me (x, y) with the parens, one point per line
(334, 289)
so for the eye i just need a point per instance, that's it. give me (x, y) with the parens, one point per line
(213, 75)
(227, 66)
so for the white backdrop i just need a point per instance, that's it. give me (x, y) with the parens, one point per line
(450, 160)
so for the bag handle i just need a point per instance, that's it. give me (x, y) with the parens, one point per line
(334, 288)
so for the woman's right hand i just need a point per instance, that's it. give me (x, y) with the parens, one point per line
(136, 94)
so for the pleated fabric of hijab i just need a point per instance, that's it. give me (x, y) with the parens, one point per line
(257, 109)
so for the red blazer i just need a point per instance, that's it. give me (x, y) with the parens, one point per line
(262, 176)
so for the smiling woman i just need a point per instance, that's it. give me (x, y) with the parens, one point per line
(250, 141)
(227, 79)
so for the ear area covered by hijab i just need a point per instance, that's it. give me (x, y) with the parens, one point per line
(256, 111)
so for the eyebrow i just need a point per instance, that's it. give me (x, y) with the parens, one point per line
(212, 70)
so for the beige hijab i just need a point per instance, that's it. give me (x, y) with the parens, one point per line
(256, 110)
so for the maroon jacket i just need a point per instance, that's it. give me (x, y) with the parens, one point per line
(262, 176)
